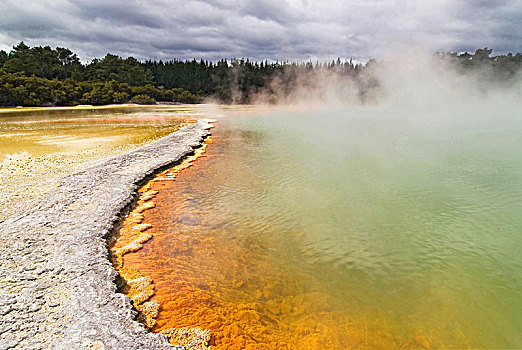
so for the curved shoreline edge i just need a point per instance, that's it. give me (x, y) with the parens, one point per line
(57, 285)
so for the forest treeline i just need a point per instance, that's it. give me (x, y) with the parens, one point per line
(43, 76)
(502, 69)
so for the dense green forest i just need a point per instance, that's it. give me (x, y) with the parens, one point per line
(42, 76)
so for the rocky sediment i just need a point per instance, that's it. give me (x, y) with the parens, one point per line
(57, 285)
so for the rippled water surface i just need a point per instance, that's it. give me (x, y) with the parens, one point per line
(349, 228)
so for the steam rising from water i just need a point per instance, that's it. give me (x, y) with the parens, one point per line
(411, 80)
(387, 225)
(386, 216)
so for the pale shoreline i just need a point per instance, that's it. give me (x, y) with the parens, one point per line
(90, 107)
(57, 285)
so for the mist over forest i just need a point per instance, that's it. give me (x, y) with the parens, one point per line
(43, 76)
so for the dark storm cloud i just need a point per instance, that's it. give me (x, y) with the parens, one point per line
(495, 24)
(269, 10)
(261, 29)
(118, 13)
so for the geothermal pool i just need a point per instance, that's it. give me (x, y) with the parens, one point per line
(66, 130)
(344, 229)
(38, 146)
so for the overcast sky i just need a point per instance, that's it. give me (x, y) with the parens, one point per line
(262, 29)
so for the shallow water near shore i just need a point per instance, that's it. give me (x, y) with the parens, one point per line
(41, 131)
(38, 146)
(345, 229)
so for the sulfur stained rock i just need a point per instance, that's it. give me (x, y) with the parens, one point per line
(144, 206)
(135, 217)
(148, 195)
(133, 235)
(148, 312)
(141, 289)
(141, 227)
(192, 338)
